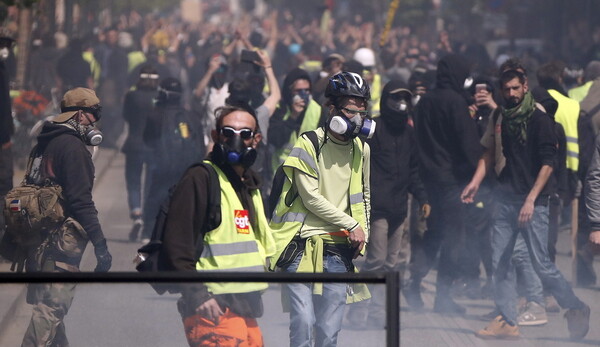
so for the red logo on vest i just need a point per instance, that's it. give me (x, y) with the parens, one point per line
(242, 222)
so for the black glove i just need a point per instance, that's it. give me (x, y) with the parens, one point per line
(103, 257)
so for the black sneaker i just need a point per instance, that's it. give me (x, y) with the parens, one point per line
(135, 230)
(413, 297)
(578, 322)
(448, 306)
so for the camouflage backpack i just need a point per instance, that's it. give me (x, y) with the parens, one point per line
(32, 210)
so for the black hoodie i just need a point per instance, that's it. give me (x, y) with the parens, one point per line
(67, 162)
(541, 96)
(447, 135)
(282, 129)
(394, 163)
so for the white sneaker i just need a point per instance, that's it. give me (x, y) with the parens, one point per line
(534, 314)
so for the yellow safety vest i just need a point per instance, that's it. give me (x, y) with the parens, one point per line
(310, 122)
(579, 93)
(374, 105)
(311, 66)
(567, 115)
(289, 216)
(94, 67)
(235, 245)
(134, 59)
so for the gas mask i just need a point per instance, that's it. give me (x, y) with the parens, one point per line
(468, 83)
(353, 127)
(4, 52)
(233, 151)
(88, 133)
(398, 105)
(415, 99)
(302, 94)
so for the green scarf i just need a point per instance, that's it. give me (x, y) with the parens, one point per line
(514, 120)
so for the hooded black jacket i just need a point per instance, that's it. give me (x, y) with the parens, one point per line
(447, 135)
(280, 129)
(137, 107)
(66, 160)
(394, 163)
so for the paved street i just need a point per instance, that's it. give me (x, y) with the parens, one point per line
(133, 315)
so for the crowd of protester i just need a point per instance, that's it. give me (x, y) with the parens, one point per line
(141, 61)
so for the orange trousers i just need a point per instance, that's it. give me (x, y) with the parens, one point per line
(232, 331)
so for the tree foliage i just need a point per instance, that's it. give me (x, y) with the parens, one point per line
(122, 6)
(20, 3)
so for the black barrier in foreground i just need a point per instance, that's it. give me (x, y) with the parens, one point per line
(390, 279)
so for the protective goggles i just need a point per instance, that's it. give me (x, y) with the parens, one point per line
(355, 112)
(96, 110)
(229, 132)
(151, 76)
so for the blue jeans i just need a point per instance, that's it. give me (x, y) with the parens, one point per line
(529, 280)
(535, 235)
(323, 312)
(134, 166)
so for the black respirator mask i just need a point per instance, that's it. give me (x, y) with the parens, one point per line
(233, 151)
(353, 127)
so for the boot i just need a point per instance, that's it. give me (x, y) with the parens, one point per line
(444, 304)
(578, 322)
(135, 230)
(412, 294)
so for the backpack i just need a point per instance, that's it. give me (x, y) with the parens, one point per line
(30, 212)
(181, 142)
(150, 256)
(279, 178)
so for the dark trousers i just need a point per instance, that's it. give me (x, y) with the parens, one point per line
(6, 180)
(477, 240)
(585, 274)
(445, 233)
(134, 167)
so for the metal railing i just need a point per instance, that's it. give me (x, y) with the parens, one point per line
(390, 279)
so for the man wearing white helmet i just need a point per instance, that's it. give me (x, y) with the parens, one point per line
(366, 57)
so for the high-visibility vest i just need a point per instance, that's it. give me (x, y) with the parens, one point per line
(94, 66)
(235, 245)
(579, 93)
(374, 105)
(134, 59)
(567, 115)
(310, 122)
(311, 66)
(289, 215)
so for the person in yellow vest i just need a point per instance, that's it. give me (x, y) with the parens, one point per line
(296, 114)
(321, 221)
(550, 78)
(221, 314)
(591, 74)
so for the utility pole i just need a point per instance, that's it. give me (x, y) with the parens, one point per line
(23, 39)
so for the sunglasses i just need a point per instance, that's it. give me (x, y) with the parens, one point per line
(229, 132)
(355, 112)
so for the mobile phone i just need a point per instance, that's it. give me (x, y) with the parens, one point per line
(249, 56)
(480, 87)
